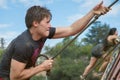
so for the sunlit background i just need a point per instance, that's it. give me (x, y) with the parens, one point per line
(64, 12)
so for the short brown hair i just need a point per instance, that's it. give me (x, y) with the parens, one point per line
(36, 13)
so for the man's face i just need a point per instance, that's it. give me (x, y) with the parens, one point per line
(44, 27)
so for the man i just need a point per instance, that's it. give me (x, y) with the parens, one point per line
(18, 62)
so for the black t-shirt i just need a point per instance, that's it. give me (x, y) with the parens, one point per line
(23, 49)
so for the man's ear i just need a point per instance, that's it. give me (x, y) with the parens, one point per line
(35, 23)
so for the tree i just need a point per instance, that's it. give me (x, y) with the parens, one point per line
(2, 42)
(69, 64)
(1, 53)
(96, 33)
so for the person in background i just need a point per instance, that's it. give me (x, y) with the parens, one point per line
(18, 61)
(100, 51)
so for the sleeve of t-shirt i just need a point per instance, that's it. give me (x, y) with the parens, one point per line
(52, 32)
(22, 53)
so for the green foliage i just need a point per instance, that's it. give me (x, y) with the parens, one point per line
(71, 62)
(66, 69)
(96, 33)
(38, 78)
(1, 53)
